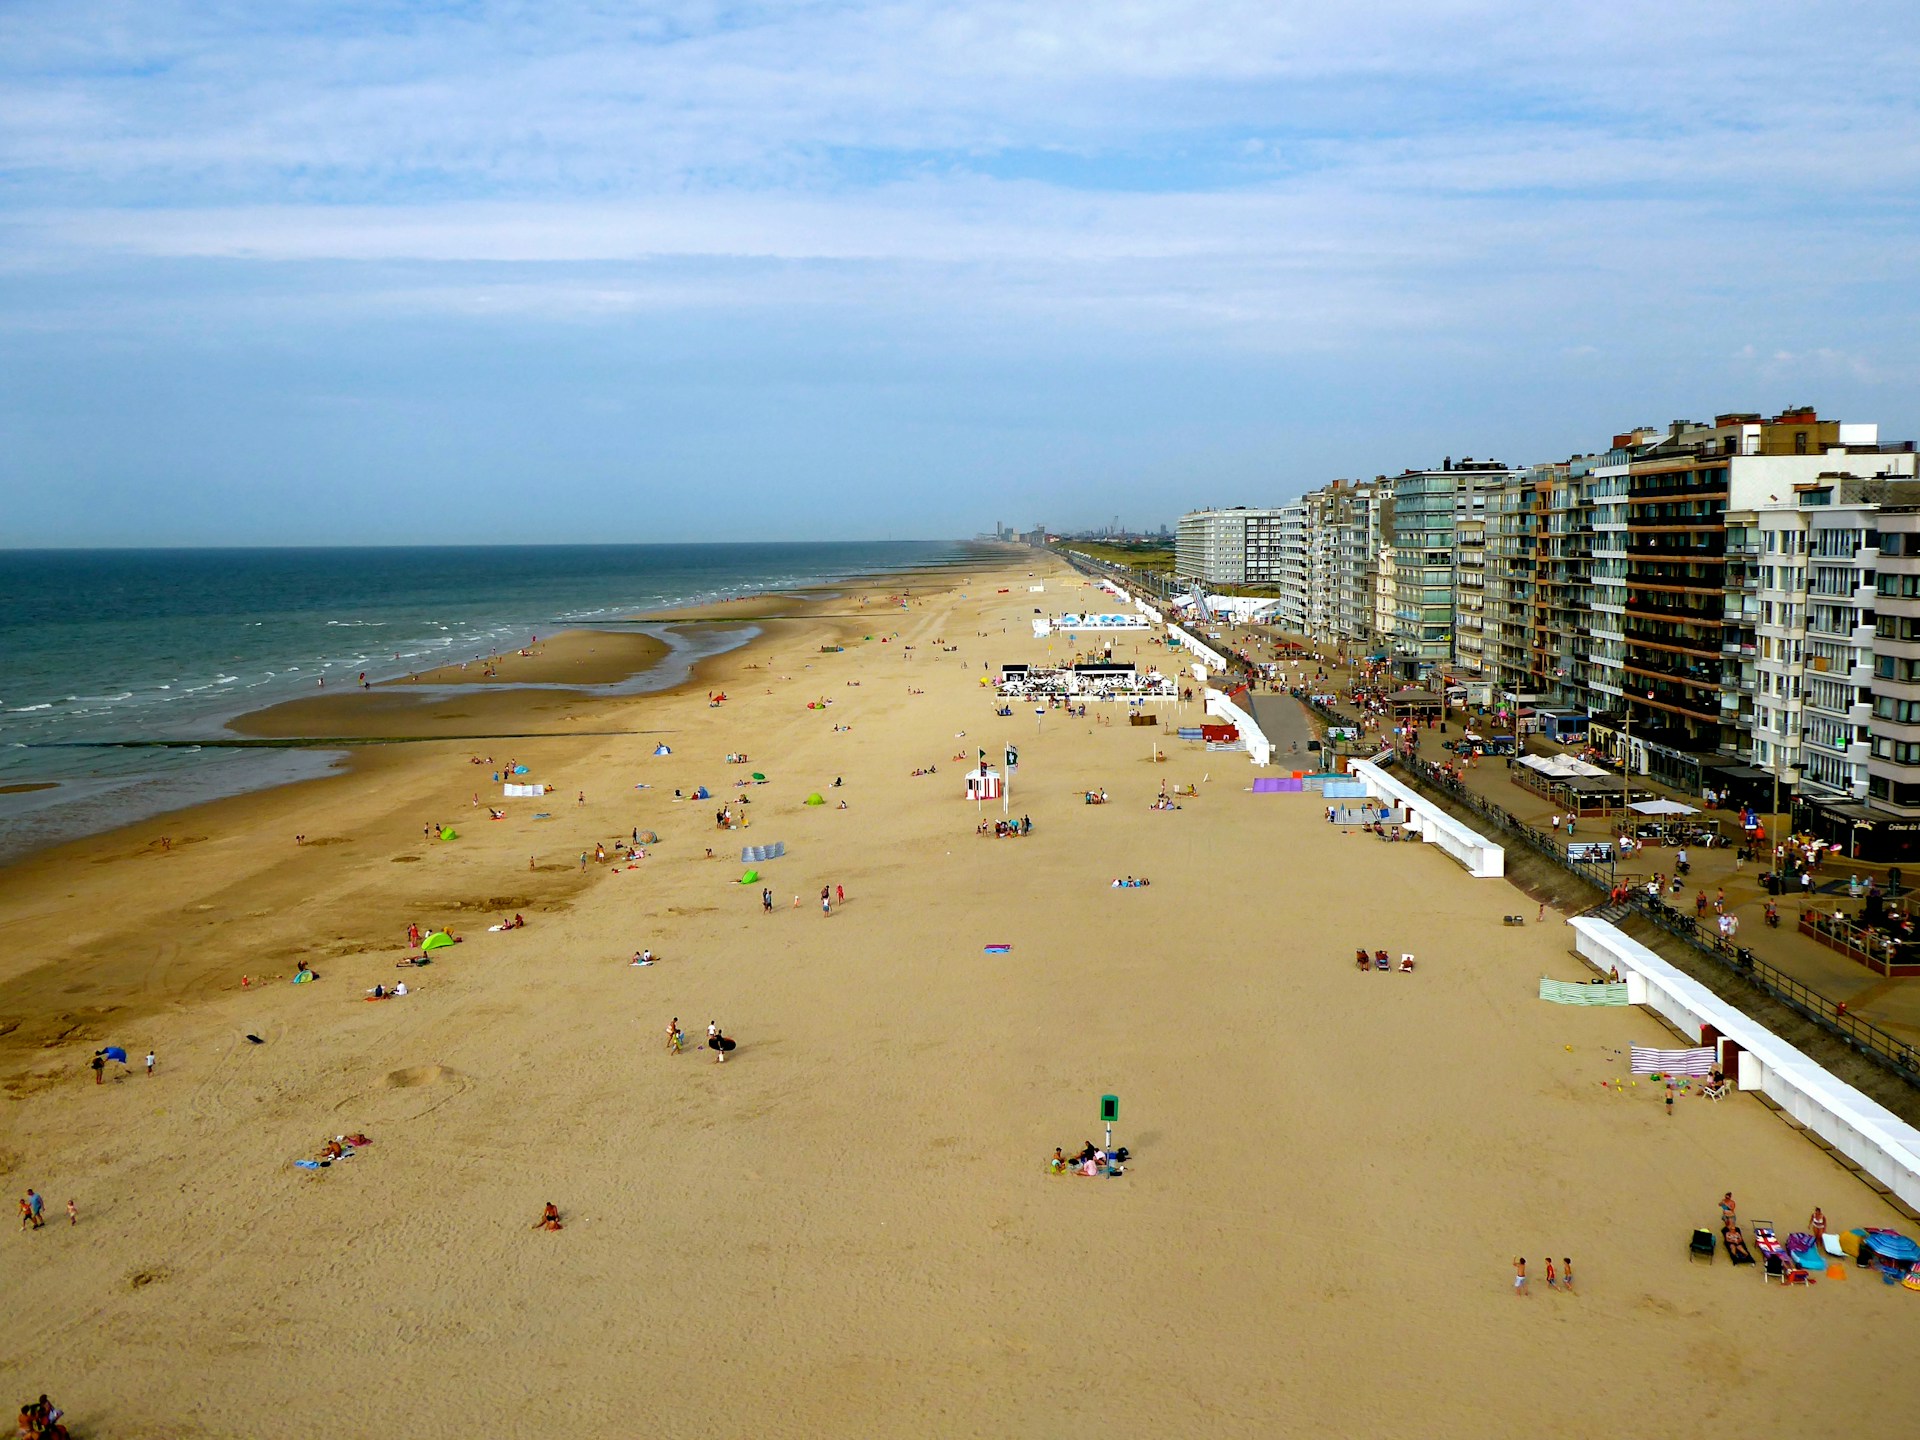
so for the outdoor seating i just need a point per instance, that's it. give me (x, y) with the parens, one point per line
(1776, 1269)
(1700, 1245)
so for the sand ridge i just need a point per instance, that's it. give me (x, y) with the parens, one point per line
(848, 1228)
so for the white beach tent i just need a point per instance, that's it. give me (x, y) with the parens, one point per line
(983, 784)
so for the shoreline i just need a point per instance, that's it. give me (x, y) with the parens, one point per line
(661, 658)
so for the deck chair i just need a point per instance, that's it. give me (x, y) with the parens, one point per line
(1701, 1244)
(1776, 1270)
(1831, 1244)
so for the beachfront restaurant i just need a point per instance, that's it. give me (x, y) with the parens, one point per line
(1857, 833)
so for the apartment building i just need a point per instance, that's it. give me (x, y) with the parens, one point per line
(1287, 561)
(1236, 547)
(1470, 599)
(1342, 547)
(1510, 521)
(1893, 763)
(1427, 505)
(1697, 623)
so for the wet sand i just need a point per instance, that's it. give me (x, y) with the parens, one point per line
(848, 1228)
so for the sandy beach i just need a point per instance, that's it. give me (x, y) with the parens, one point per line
(849, 1228)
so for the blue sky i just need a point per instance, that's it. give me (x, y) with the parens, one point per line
(465, 272)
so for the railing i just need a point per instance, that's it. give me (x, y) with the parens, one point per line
(1879, 953)
(1830, 1015)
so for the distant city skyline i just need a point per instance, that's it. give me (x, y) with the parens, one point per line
(408, 275)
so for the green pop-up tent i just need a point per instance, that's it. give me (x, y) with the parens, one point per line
(815, 799)
(447, 832)
(439, 940)
(752, 877)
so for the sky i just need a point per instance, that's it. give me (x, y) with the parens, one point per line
(468, 272)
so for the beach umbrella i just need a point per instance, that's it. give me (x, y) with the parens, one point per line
(114, 1052)
(436, 941)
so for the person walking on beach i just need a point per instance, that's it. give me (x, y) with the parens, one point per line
(26, 1214)
(36, 1206)
(826, 900)
(766, 900)
(839, 895)
(1520, 1276)
(1553, 1281)
(149, 1064)
(1566, 1274)
(73, 1213)
(1727, 1210)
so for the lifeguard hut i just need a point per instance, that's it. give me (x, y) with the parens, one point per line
(983, 783)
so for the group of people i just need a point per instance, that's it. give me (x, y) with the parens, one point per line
(1130, 883)
(33, 1211)
(1561, 1279)
(1091, 1161)
(1379, 960)
(1005, 829)
(40, 1420)
(717, 1040)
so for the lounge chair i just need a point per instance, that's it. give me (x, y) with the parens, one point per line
(1740, 1255)
(1831, 1244)
(1701, 1244)
(1776, 1269)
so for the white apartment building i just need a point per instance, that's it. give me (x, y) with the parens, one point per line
(1288, 558)
(1238, 546)
(1813, 673)
(1470, 596)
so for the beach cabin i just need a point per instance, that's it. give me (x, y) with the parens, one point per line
(983, 783)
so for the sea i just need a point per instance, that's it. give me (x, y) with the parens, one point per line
(103, 653)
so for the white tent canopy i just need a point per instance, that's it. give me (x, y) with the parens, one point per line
(1561, 767)
(1663, 807)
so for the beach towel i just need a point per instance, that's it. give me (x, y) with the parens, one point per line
(1648, 1061)
(308, 1164)
(1569, 992)
(999, 949)
(755, 853)
(1804, 1251)
(1267, 785)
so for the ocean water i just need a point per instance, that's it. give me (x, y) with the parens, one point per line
(99, 648)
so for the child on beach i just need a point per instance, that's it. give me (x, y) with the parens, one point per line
(1553, 1282)
(1566, 1274)
(1520, 1276)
